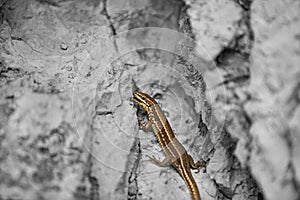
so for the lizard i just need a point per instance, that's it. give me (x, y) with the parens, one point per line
(175, 153)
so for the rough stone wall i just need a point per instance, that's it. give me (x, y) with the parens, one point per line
(225, 73)
(256, 47)
(274, 106)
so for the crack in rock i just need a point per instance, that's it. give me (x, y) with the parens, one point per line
(128, 185)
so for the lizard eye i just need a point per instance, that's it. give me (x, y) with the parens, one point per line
(157, 96)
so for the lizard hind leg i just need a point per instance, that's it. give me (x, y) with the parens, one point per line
(197, 165)
(163, 163)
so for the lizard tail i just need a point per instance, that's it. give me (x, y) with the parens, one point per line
(191, 183)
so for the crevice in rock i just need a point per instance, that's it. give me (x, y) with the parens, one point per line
(111, 25)
(49, 2)
(132, 179)
(128, 185)
(104, 12)
(245, 4)
(89, 180)
(104, 113)
(93, 193)
(260, 195)
(2, 4)
(249, 139)
(230, 78)
(239, 49)
(291, 167)
(203, 130)
(294, 100)
(94, 190)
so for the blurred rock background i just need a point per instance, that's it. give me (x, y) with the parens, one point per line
(226, 74)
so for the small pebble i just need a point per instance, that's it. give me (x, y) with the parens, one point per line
(64, 46)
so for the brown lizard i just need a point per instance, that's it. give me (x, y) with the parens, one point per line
(175, 153)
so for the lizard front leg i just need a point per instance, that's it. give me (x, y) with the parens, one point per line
(147, 124)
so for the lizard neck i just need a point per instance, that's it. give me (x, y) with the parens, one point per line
(161, 126)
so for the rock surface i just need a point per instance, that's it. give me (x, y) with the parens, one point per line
(274, 105)
(224, 73)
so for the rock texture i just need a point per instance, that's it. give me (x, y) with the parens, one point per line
(224, 73)
(274, 104)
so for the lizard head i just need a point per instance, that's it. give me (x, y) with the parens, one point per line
(144, 100)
